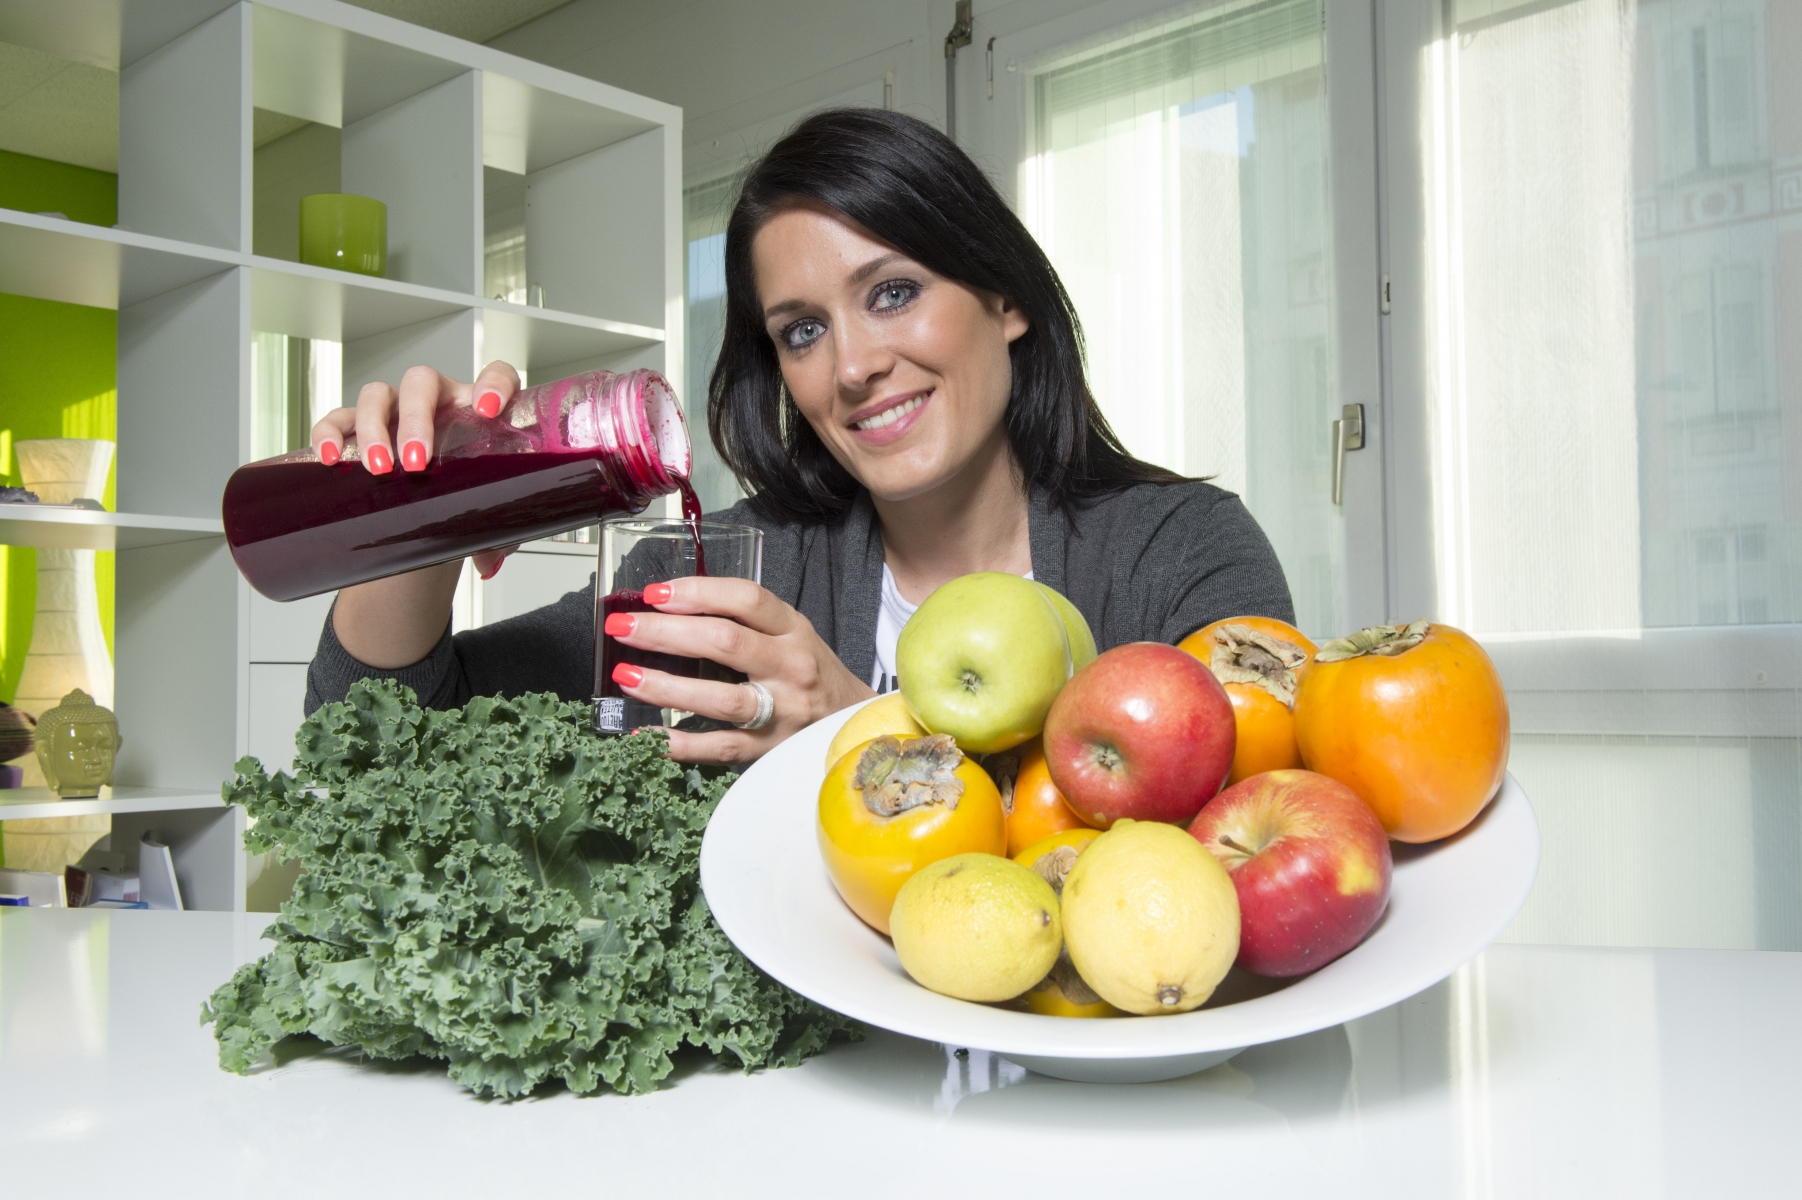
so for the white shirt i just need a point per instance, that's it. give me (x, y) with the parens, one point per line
(891, 615)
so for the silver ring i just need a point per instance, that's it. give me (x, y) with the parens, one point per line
(766, 707)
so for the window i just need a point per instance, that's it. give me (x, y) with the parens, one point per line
(1607, 238)
(1177, 178)
(705, 208)
(293, 382)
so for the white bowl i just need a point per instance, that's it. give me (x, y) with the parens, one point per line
(767, 885)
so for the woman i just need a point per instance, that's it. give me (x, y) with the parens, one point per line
(900, 389)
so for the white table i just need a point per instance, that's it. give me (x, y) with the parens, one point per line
(1535, 1072)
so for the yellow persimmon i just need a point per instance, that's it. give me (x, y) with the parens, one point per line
(894, 805)
(1064, 994)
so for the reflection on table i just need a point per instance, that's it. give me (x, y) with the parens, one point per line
(1534, 1071)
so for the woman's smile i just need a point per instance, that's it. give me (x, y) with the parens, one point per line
(888, 420)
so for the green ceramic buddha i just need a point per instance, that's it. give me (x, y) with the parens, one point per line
(76, 743)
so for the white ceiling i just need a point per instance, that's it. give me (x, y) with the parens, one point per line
(471, 20)
(52, 107)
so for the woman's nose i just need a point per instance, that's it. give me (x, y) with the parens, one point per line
(862, 358)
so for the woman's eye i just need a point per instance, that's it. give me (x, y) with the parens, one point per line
(893, 294)
(801, 333)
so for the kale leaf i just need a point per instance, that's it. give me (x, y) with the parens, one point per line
(498, 887)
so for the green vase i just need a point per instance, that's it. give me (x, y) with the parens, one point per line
(344, 231)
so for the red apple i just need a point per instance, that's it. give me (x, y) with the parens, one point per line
(1311, 864)
(1145, 731)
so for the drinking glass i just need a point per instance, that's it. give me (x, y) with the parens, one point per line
(637, 552)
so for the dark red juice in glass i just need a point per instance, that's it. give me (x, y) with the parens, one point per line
(656, 560)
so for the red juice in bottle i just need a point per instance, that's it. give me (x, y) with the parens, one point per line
(559, 456)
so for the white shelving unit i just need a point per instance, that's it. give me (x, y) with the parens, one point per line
(76, 529)
(204, 667)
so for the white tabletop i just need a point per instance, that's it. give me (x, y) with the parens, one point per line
(1535, 1072)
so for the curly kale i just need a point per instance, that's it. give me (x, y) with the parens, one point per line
(498, 887)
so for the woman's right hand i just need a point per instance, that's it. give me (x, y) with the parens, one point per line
(394, 622)
(385, 415)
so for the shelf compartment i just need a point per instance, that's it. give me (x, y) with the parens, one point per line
(50, 258)
(334, 65)
(81, 529)
(337, 306)
(54, 259)
(534, 338)
(33, 803)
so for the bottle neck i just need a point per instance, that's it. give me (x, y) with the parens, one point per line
(633, 421)
(655, 454)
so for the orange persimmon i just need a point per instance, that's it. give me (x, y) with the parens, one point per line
(1260, 661)
(1411, 718)
(1035, 808)
(894, 805)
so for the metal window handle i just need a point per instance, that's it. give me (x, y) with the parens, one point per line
(1348, 434)
(961, 35)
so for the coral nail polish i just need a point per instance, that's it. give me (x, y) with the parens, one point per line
(627, 675)
(491, 572)
(489, 404)
(413, 455)
(380, 461)
(328, 453)
(620, 625)
(657, 593)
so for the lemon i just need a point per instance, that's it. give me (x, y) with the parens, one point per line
(1151, 919)
(881, 717)
(976, 927)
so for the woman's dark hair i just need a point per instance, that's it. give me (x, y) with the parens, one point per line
(909, 186)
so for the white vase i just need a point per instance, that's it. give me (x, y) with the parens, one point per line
(68, 646)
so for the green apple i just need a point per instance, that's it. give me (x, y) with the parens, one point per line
(1082, 642)
(982, 659)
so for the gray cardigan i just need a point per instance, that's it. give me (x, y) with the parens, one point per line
(1154, 562)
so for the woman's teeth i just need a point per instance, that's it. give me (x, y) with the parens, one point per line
(889, 416)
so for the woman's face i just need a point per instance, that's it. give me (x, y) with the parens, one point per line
(903, 373)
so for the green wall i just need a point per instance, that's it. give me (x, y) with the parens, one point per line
(58, 378)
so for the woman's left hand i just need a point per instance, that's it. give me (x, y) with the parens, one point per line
(737, 624)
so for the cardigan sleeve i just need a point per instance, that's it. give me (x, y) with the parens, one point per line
(550, 649)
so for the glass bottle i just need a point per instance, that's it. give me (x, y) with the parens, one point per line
(558, 456)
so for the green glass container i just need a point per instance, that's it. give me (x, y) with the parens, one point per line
(344, 231)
